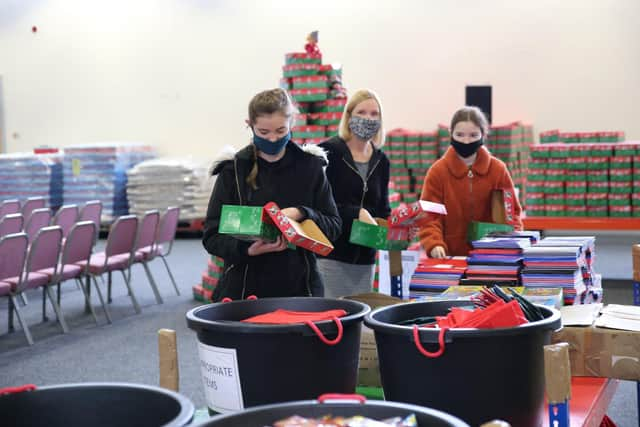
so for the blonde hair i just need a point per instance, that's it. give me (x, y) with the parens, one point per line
(355, 99)
(264, 103)
(471, 114)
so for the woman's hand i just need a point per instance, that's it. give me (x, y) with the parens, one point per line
(260, 247)
(438, 252)
(365, 216)
(293, 213)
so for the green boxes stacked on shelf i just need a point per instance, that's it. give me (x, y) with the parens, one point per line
(444, 139)
(428, 149)
(412, 150)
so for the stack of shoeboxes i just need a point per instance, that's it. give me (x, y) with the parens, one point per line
(210, 277)
(411, 154)
(317, 91)
(584, 174)
(510, 143)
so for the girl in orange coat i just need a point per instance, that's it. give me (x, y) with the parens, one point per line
(463, 180)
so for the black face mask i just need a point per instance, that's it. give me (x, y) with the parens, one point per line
(466, 150)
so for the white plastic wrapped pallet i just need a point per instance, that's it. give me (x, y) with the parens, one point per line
(164, 182)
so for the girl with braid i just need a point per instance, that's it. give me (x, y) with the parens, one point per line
(271, 168)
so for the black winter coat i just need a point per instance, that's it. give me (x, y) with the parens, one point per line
(351, 193)
(296, 180)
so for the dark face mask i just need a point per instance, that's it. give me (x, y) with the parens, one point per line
(269, 147)
(466, 150)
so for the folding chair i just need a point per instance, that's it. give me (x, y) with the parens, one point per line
(9, 207)
(92, 211)
(38, 219)
(11, 224)
(117, 256)
(66, 217)
(42, 258)
(164, 241)
(74, 262)
(30, 205)
(13, 254)
(147, 233)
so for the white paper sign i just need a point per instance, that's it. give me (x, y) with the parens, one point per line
(221, 378)
(410, 261)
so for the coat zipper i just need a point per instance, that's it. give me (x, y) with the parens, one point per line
(306, 261)
(244, 281)
(365, 188)
(470, 175)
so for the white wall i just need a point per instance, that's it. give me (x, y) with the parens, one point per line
(179, 73)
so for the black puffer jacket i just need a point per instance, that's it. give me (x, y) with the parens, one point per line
(296, 180)
(351, 193)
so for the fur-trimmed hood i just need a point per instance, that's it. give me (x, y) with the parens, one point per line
(228, 153)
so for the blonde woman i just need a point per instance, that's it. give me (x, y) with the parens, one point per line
(358, 172)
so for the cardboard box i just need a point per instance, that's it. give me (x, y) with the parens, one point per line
(477, 230)
(503, 208)
(416, 214)
(247, 223)
(368, 367)
(635, 253)
(600, 352)
(368, 235)
(305, 234)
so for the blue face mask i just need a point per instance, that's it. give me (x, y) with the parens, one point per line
(271, 147)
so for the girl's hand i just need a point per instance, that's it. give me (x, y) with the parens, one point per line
(438, 252)
(293, 213)
(260, 247)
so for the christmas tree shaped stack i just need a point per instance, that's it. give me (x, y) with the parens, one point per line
(204, 291)
(317, 91)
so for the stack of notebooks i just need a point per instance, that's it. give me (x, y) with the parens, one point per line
(496, 260)
(432, 275)
(564, 262)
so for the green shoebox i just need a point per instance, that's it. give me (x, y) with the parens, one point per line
(477, 230)
(246, 223)
(369, 235)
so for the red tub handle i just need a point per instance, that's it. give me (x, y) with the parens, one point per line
(19, 389)
(421, 349)
(249, 298)
(324, 339)
(342, 397)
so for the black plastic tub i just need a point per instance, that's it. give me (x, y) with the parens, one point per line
(377, 410)
(246, 364)
(483, 374)
(96, 405)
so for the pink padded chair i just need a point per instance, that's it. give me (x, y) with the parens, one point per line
(66, 217)
(9, 207)
(13, 254)
(117, 256)
(11, 224)
(38, 219)
(164, 241)
(42, 259)
(146, 240)
(92, 211)
(30, 205)
(74, 262)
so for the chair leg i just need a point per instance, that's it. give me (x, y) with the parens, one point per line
(44, 305)
(152, 283)
(104, 306)
(10, 316)
(108, 287)
(131, 294)
(23, 298)
(56, 308)
(87, 302)
(58, 290)
(25, 328)
(170, 275)
(87, 299)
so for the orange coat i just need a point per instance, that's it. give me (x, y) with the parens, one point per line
(466, 193)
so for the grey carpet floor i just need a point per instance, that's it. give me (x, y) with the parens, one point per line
(127, 350)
